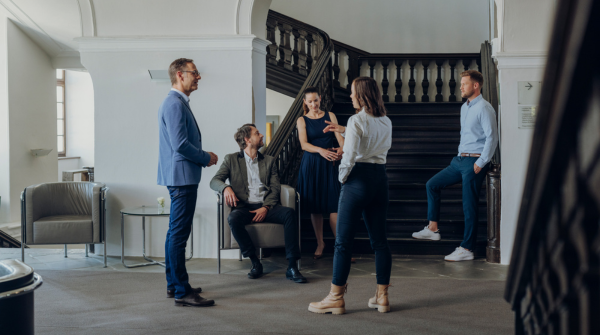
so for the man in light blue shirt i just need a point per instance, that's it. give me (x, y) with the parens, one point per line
(478, 141)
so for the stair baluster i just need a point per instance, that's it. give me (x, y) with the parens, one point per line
(452, 82)
(271, 48)
(411, 81)
(371, 64)
(295, 54)
(398, 83)
(384, 82)
(302, 53)
(285, 51)
(466, 65)
(336, 67)
(309, 57)
(351, 66)
(439, 83)
(425, 83)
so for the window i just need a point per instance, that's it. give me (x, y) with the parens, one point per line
(60, 113)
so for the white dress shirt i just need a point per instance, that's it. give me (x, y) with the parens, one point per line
(185, 97)
(367, 140)
(256, 189)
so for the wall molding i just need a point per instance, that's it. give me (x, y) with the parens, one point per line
(41, 37)
(260, 46)
(199, 43)
(521, 60)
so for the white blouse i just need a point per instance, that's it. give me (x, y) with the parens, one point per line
(367, 140)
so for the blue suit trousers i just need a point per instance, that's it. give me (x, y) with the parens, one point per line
(183, 205)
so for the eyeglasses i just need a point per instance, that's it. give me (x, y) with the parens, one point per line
(195, 73)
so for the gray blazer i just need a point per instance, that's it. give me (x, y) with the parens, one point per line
(234, 169)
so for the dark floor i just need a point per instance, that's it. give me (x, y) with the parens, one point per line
(403, 267)
(428, 296)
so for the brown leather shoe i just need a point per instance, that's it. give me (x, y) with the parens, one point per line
(333, 302)
(380, 300)
(194, 300)
(171, 293)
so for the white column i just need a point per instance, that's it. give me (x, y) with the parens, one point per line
(126, 103)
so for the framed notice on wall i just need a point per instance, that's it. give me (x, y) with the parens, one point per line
(527, 116)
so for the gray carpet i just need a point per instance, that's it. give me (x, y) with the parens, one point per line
(86, 302)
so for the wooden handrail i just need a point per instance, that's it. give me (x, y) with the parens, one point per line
(285, 145)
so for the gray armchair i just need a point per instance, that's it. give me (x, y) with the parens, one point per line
(263, 234)
(64, 213)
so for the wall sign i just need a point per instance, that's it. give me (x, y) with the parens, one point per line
(529, 94)
(527, 116)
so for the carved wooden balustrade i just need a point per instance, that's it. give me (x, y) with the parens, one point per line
(417, 68)
(553, 283)
(310, 57)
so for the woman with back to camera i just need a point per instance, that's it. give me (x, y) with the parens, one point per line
(368, 137)
(318, 183)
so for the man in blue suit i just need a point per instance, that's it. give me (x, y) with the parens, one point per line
(180, 164)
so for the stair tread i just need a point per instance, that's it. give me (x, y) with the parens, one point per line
(431, 139)
(394, 113)
(421, 201)
(397, 152)
(398, 239)
(455, 103)
(403, 184)
(414, 167)
(419, 221)
(429, 127)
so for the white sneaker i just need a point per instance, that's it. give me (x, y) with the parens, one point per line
(460, 254)
(427, 234)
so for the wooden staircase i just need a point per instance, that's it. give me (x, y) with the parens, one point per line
(425, 139)
(426, 134)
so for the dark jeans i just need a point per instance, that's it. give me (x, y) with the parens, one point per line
(365, 192)
(240, 217)
(183, 205)
(460, 170)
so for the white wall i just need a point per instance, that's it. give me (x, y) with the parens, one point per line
(126, 104)
(79, 104)
(520, 57)
(114, 18)
(520, 33)
(32, 115)
(278, 104)
(397, 26)
(4, 138)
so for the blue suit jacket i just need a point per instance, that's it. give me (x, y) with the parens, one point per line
(180, 157)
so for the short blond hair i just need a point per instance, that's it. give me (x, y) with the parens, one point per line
(474, 75)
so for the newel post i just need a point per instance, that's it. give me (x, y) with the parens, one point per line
(492, 251)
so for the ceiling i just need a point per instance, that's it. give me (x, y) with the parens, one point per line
(52, 24)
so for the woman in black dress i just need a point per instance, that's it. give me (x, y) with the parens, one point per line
(318, 182)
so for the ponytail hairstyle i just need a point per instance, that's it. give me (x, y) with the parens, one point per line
(368, 96)
(310, 89)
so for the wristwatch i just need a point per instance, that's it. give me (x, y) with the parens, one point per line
(267, 207)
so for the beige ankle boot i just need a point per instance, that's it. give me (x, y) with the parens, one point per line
(380, 300)
(333, 303)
